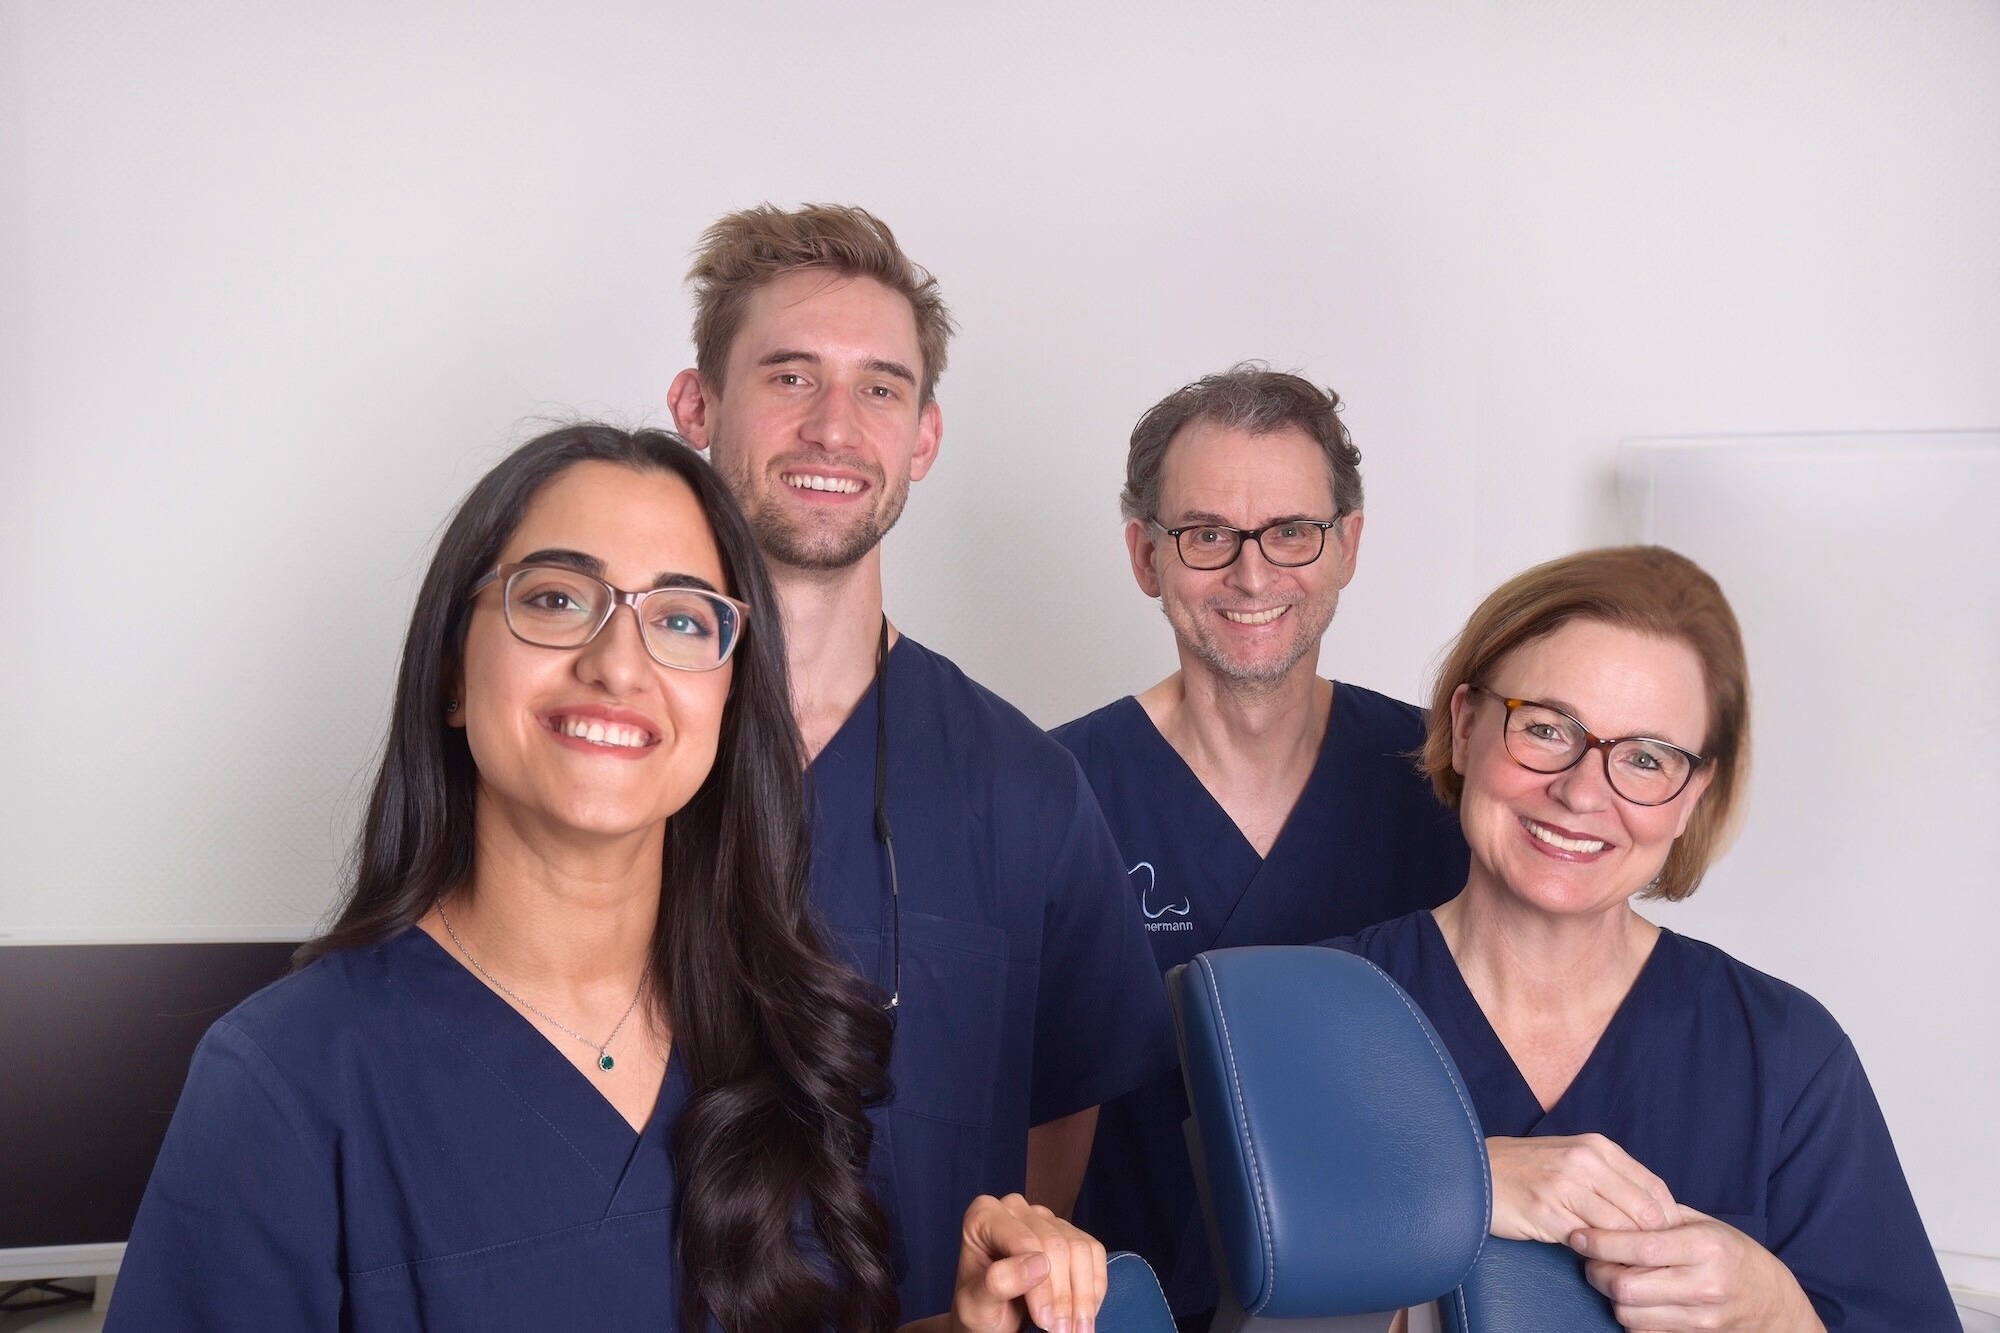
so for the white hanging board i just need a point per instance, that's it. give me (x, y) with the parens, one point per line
(1866, 572)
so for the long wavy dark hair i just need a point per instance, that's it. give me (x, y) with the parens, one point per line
(786, 1049)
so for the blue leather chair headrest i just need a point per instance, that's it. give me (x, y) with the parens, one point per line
(1132, 1299)
(1344, 1162)
(1519, 1284)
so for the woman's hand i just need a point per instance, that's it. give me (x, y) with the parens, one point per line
(1019, 1259)
(1697, 1274)
(1547, 1188)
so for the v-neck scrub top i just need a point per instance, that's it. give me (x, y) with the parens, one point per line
(379, 1143)
(1028, 993)
(1366, 841)
(1739, 1091)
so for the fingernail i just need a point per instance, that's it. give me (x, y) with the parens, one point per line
(1579, 1241)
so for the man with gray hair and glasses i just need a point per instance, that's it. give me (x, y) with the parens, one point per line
(1254, 801)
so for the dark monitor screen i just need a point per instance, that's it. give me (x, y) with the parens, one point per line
(94, 1046)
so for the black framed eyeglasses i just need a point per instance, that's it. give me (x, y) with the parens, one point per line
(1641, 769)
(1287, 544)
(554, 606)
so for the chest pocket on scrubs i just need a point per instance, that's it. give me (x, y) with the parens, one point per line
(946, 1056)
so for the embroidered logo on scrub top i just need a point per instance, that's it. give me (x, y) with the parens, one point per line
(1146, 887)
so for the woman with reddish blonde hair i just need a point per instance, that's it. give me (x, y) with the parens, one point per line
(1703, 1134)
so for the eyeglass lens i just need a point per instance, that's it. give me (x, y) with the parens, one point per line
(561, 608)
(1644, 772)
(1282, 543)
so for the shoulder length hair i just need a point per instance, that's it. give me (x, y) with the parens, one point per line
(785, 1048)
(1647, 589)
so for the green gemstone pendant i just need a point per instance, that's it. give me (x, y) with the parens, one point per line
(604, 1061)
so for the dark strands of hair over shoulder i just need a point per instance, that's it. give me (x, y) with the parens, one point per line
(1649, 590)
(786, 1049)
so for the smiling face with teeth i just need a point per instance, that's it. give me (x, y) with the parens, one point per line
(1252, 625)
(600, 740)
(818, 426)
(1565, 843)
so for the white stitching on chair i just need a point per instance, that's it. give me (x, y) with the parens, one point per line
(1243, 1119)
(1464, 1314)
(1485, 1172)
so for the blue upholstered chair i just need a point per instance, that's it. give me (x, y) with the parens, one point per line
(1522, 1284)
(1132, 1299)
(1342, 1167)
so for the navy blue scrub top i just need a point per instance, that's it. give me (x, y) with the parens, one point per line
(1028, 993)
(378, 1142)
(1739, 1091)
(1367, 841)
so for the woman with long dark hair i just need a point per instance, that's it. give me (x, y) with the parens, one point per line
(574, 1054)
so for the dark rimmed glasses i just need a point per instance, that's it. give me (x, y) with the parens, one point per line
(1642, 769)
(553, 606)
(1294, 542)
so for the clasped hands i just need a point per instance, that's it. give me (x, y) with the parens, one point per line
(1019, 1259)
(1665, 1267)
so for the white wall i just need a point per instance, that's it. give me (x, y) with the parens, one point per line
(277, 281)
(1862, 569)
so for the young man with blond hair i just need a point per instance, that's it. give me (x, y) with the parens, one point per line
(959, 856)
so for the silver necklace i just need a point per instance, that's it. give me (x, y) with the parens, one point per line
(603, 1048)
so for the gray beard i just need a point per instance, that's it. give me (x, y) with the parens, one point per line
(1259, 680)
(1253, 681)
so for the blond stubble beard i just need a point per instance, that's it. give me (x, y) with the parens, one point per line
(823, 548)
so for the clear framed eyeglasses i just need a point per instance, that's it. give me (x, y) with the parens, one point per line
(1642, 769)
(553, 606)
